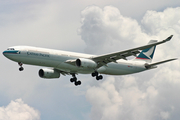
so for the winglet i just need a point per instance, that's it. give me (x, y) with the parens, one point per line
(169, 38)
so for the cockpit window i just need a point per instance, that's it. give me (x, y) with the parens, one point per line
(10, 49)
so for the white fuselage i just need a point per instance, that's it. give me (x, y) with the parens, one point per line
(57, 59)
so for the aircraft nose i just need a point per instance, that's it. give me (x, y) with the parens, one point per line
(8, 53)
(4, 53)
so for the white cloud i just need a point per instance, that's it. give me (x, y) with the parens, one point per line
(151, 96)
(114, 99)
(155, 21)
(18, 110)
(164, 115)
(106, 29)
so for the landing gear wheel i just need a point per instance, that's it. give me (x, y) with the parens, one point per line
(93, 74)
(21, 69)
(100, 77)
(73, 79)
(77, 83)
(20, 64)
(96, 74)
(97, 77)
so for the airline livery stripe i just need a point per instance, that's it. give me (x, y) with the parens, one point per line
(11, 52)
(142, 58)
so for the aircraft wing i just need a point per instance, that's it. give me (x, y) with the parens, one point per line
(112, 57)
(152, 65)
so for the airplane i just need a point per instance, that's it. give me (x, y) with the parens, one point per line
(71, 63)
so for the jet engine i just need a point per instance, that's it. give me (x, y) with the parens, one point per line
(87, 63)
(48, 73)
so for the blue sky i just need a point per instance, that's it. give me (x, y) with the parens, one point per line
(113, 25)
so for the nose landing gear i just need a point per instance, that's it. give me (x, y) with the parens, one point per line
(20, 64)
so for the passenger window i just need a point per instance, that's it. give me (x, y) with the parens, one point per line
(10, 49)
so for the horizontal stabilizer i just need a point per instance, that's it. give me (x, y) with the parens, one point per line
(148, 66)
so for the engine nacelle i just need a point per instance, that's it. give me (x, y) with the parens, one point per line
(48, 73)
(87, 63)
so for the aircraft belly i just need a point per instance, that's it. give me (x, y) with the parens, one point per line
(74, 69)
(121, 69)
(39, 61)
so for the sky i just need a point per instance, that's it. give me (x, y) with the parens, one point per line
(93, 27)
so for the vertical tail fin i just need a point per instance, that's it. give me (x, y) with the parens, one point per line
(147, 54)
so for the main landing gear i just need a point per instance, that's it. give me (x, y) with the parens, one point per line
(20, 64)
(74, 79)
(96, 74)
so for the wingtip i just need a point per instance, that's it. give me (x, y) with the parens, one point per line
(173, 59)
(169, 38)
